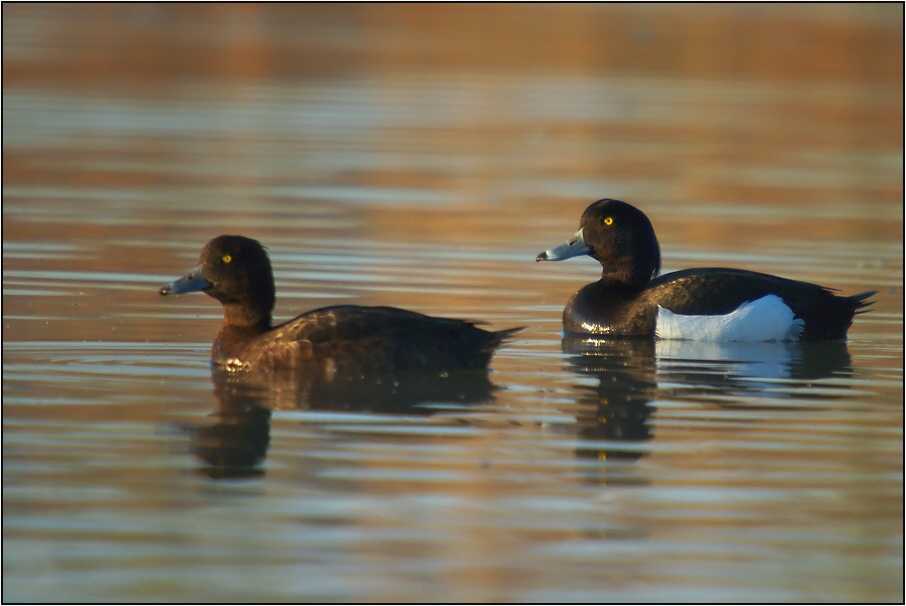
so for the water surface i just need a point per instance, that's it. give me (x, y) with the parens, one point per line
(576, 470)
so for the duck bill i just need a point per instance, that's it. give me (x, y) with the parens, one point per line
(575, 247)
(191, 282)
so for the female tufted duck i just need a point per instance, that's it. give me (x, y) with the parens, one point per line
(345, 340)
(706, 304)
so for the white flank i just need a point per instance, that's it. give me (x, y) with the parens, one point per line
(765, 319)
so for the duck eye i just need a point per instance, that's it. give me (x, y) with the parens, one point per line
(608, 221)
(226, 258)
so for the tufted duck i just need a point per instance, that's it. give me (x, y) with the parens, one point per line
(344, 340)
(706, 304)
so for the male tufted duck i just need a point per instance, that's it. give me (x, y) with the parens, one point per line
(344, 340)
(705, 304)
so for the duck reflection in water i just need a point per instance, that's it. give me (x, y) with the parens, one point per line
(236, 444)
(237, 441)
(615, 414)
(765, 373)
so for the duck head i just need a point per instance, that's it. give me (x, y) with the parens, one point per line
(620, 237)
(236, 271)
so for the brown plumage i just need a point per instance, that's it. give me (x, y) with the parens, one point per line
(331, 342)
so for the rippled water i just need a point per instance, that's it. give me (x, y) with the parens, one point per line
(574, 470)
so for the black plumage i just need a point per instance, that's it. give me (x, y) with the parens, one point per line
(625, 301)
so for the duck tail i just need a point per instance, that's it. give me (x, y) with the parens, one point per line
(859, 301)
(481, 345)
(502, 336)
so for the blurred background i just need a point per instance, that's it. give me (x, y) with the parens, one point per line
(451, 123)
(421, 155)
(490, 104)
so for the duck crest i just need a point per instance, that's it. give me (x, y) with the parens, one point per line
(241, 279)
(621, 238)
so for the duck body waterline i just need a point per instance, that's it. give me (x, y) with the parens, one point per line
(331, 342)
(708, 304)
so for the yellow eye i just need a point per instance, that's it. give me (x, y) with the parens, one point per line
(226, 258)
(608, 221)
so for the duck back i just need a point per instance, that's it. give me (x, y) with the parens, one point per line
(607, 308)
(351, 340)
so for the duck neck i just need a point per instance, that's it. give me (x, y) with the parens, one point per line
(246, 318)
(626, 276)
(239, 327)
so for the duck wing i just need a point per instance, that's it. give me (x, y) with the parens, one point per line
(353, 340)
(717, 291)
